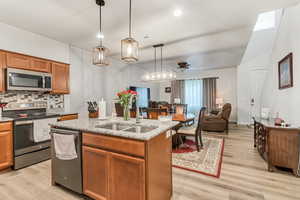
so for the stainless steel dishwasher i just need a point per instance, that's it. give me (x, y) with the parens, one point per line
(67, 173)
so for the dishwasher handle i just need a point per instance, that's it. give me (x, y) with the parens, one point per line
(64, 131)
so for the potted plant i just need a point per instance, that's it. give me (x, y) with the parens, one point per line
(126, 99)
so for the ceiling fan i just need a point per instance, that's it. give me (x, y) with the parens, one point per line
(183, 66)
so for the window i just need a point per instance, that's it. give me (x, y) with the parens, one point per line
(265, 21)
(193, 95)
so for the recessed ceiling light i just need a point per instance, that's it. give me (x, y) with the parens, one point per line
(177, 13)
(100, 36)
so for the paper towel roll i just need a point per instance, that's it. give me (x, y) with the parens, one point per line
(102, 109)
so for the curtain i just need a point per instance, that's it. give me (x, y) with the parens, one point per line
(209, 93)
(177, 91)
(193, 95)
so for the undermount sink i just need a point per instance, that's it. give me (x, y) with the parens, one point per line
(134, 128)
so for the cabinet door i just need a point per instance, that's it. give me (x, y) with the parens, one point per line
(40, 65)
(2, 74)
(18, 61)
(126, 177)
(95, 173)
(60, 78)
(6, 149)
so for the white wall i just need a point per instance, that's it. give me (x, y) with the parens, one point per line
(252, 71)
(226, 85)
(21, 41)
(286, 101)
(86, 81)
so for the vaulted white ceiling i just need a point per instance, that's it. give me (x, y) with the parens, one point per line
(205, 26)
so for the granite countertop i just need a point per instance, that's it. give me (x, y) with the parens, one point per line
(6, 119)
(61, 112)
(86, 124)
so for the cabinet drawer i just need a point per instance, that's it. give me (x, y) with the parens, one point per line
(68, 117)
(5, 126)
(127, 146)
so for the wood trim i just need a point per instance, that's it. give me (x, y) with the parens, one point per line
(68, 117)
(127, 146)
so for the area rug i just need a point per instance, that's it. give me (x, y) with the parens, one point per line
(208, 161)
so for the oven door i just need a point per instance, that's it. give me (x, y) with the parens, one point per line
(24, 138)
(25, 80)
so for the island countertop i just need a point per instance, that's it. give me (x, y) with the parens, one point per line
(85, 124)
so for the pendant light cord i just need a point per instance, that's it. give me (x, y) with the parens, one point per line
(100, 15)
(161, 60)
(130, 19)
(155, 58)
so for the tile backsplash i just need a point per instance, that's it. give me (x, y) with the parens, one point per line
(15, 98)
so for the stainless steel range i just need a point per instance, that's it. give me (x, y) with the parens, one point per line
(31, 135)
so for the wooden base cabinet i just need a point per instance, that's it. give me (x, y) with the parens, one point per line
(95, 173)
(127, 177)
(112, 170)
(6, 145)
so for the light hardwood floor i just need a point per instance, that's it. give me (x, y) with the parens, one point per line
(244, 176)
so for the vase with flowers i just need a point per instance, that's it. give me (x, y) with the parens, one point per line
(126, 99)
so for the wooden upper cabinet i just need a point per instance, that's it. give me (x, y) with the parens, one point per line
(95, 173)
(40, 65)
(60, 78)
(6, 145)
(2, 72)
(18, 61)
(126, 177)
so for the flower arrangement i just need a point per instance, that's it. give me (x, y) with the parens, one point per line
(126, 98)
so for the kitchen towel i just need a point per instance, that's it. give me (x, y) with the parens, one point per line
(64, 146)
(41, 129)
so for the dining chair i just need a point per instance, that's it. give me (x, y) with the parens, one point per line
(180, 108)
(195, 131)
(154, 113)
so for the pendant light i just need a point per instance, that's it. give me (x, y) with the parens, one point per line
(100, 52)
(162, 75)
(129, 46)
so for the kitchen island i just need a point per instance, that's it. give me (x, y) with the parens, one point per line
(122, 159)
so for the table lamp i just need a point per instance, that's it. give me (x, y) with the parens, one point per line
(219, 102)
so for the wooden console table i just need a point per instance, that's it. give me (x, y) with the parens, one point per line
(279, 146)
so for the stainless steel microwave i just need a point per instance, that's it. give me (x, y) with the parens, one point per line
(18, 79)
